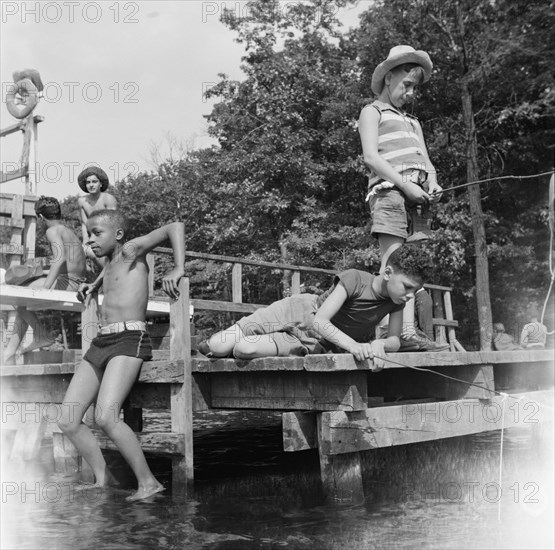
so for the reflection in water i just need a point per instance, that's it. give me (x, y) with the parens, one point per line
(443, 494)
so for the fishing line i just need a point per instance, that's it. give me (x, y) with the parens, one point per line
(494, 179)
(451, 378)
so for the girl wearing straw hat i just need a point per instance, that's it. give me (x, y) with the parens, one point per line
(401, 178)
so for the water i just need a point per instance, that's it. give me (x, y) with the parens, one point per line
(250, 495)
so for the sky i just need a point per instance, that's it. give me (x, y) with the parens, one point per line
(121, 78)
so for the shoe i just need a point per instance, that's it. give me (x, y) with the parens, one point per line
(417, 237)
(20, 274)
(204, 349)
(420, 343)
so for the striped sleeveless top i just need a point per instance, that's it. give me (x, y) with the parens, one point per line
(398, 141)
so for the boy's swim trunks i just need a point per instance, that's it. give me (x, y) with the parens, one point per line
(130, 343)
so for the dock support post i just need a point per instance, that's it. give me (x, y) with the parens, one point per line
(181, 394)
(341, 474)
(89, 330)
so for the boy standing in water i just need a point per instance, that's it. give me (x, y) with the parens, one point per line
(401, 178)
(112, 363)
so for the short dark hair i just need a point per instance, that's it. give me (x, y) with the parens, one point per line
(114, 217)
(411, 261)
(49, 207)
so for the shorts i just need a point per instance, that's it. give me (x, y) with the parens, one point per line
(64, 281)
(389, 214)
(129, 343)
(392, 215)
(289, 323)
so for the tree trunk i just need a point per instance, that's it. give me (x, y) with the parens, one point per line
(475, 201)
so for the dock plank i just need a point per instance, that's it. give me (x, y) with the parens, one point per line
(36, 299)
(387, 426)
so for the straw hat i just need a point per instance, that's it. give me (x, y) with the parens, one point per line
(93, 171)
(399, 55)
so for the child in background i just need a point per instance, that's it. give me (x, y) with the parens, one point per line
(67, 272)
(534, 333)
(93, 181)
(503, 341)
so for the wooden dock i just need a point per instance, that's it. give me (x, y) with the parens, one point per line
(329, 402)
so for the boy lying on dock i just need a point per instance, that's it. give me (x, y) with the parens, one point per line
(343, 318)
(113, 361)
(67, 272)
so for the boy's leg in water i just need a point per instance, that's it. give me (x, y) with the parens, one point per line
(119, 377)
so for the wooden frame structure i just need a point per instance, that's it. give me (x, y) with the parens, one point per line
(329, 402)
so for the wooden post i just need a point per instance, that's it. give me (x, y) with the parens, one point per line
(453, 342)
(25, 153)
(181, 394)
(296, 282)
(439, 311)
(17, 223)
(236, 283)
(341, 474)
(89, 330)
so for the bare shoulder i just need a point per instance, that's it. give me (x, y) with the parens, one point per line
(55, 232)
(110, 201)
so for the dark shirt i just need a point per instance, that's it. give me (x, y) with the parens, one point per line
(363, 309)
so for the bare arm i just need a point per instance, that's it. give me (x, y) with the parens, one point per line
(88, 288)
(141, 246)
(361, 350)
(368, 129)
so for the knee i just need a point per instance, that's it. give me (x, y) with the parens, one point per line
(246, 349)
(106, 420)
(222, 343)
(68, 425)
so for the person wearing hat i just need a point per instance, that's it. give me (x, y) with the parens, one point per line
(93, 181)
(401, 178)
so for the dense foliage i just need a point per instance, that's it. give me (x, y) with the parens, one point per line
(287, 182)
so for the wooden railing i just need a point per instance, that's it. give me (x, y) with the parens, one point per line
(236, 305)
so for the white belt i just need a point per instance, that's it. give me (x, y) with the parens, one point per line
(121, 327)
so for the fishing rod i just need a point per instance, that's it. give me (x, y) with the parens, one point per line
(495, 179)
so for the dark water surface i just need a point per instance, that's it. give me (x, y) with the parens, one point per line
(249, 495)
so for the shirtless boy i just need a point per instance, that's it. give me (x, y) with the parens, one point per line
(112, 363)
(67, 272)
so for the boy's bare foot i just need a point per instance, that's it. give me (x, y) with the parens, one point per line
(145, 492)
(37, 344)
